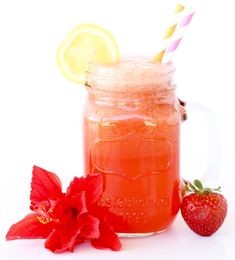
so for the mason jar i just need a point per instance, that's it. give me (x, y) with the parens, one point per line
(131, 137)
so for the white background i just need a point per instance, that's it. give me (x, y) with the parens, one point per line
(40, 111)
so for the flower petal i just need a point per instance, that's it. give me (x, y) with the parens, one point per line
(29, 228)
(45, 185)
(92, 185)
(78, 201)
(67, 209)
(90, 229)
(103, 212)
(63, 238)
(107, 239)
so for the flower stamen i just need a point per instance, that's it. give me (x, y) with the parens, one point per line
(44, 220)
(44, 211)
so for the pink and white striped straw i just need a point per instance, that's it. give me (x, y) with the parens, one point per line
(174, 33)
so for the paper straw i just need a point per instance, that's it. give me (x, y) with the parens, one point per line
(174, 33)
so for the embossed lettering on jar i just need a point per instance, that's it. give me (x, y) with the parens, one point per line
(131, 137)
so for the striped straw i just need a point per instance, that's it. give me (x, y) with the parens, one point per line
(174, 33)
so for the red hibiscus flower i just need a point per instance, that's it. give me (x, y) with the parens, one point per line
(65, 219)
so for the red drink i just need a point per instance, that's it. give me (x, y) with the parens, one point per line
(131, 137)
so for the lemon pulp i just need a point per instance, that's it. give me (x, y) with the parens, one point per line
(86, 43)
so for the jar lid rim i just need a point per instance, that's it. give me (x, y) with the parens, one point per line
(132, 65)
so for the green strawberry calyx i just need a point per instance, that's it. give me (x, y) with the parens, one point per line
(197, 187)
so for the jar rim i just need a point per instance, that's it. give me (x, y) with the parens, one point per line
(131, 77)
(132, 66)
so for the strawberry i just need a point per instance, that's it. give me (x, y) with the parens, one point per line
(204, 209)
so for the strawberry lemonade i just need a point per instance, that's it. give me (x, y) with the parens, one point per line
(131, 137)
(131, 130)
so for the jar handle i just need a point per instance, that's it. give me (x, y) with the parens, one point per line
(211, 175)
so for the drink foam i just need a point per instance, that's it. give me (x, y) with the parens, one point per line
(131, 75)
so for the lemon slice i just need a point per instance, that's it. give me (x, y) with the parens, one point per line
(86, 43)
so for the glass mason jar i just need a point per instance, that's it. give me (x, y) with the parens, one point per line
(131, 136)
